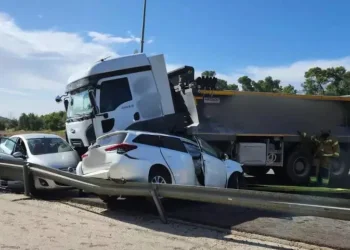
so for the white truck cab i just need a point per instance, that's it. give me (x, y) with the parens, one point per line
(116, 94)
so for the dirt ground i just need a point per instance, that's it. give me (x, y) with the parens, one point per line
(36, 224)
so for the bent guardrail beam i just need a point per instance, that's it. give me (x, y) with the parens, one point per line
(278, 202)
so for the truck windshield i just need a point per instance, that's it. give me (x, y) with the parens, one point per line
(79, 104)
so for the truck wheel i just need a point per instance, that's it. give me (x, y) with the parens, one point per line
(257, 171)
(299, 165)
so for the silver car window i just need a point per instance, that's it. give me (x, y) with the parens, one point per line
(41, 146)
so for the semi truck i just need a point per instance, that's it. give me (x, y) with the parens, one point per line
(260, 130)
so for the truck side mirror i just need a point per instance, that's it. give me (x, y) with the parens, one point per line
(93, 102)
(58, 99)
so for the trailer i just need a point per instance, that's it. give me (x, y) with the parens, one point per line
(263, 130)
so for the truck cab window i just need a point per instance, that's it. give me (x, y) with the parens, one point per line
(114, 93)
(79, 103)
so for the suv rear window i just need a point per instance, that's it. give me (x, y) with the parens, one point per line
(151, 140)
(112, 139)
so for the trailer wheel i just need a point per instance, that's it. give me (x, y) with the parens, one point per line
(299, 165)
(257, 171)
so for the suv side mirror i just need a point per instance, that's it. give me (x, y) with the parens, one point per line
(58, 99)
(19, 155)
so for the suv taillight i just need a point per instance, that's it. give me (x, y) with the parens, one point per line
(121, 148)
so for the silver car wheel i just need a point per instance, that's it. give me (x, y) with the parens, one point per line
(158, 180)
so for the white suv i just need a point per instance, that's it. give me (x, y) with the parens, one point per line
(159, 158)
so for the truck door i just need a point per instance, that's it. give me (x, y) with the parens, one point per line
(117, 108)
(215, 174)
(124, 100)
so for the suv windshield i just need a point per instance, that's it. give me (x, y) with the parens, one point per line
(79, 104)
(41, 146)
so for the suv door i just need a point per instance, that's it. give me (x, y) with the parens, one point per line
(178, 159)
(215, 171)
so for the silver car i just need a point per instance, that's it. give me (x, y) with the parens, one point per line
(44, 149)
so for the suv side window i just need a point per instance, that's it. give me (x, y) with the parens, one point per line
(151, 140)
(192, 149)
(172, 143)
(114, 93)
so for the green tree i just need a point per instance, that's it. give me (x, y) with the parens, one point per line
(267, 85)
(54, 121)
(330, 81)
(247, 83)
(23, 122)
(221, 84)
(13, 124)
(232, 87)
(2, 125)
(289, 90)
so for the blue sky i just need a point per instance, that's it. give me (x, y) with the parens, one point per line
(48, 40)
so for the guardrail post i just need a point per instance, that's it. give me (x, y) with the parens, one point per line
(26, 179)
(159, 205)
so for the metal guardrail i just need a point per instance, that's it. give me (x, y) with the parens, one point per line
(278, 202)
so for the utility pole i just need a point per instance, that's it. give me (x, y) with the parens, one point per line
(143, 25)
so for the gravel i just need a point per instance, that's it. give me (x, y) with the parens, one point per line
(38, 224)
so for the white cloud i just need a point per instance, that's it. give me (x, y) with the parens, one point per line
(35, 65)
(15, 92)
(288, 74)
(104, 38)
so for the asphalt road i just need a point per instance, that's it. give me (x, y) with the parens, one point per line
(308, 229)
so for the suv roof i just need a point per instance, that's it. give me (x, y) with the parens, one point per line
(136, 133)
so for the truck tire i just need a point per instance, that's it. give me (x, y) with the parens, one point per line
(298, 168)
(257, 171)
